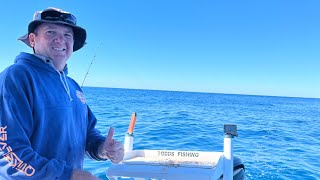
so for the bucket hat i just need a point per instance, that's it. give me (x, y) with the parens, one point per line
(57, 16)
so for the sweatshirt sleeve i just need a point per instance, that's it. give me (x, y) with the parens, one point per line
(18, 160)
(94, 138)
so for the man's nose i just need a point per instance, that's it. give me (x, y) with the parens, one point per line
(59, 38)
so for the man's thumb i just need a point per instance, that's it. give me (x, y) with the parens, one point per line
(109, 138)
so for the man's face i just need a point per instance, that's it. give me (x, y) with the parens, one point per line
(54, 41)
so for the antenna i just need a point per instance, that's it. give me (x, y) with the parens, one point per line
(90, 64)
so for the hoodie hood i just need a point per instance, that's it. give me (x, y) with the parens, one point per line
(32, 59)
(45, 64)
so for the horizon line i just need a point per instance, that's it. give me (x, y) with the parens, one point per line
(262, 95)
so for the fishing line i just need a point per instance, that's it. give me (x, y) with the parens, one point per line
(95, 54)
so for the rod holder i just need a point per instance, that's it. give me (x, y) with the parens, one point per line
(128, 139)
(230, 131)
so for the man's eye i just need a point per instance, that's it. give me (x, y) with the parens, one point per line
(50, 32)
(68, 35)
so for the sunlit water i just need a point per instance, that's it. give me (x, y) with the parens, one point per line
(279, 137)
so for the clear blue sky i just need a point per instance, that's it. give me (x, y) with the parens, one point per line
(261, 47)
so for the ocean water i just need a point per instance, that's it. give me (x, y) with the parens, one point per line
(279, 137)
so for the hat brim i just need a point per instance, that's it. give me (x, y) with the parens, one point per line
(80, 34)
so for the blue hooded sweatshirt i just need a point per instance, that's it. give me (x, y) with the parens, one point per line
(46, 127)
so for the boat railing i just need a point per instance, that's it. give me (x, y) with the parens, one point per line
(174, 164)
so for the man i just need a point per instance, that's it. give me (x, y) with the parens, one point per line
(46, 127)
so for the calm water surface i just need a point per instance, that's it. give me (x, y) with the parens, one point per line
(279, 137)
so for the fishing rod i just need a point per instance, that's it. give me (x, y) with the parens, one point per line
(94, 57)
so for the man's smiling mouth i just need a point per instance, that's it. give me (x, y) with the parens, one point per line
(58, 49)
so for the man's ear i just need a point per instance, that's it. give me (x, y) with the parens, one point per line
(32, 39)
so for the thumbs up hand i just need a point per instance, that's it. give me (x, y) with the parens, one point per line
(111, 148)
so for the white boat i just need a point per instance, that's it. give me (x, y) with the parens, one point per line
(178, 165)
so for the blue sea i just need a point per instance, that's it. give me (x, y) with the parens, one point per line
(279, 137)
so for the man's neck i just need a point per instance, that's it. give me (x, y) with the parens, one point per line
(49, 61)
